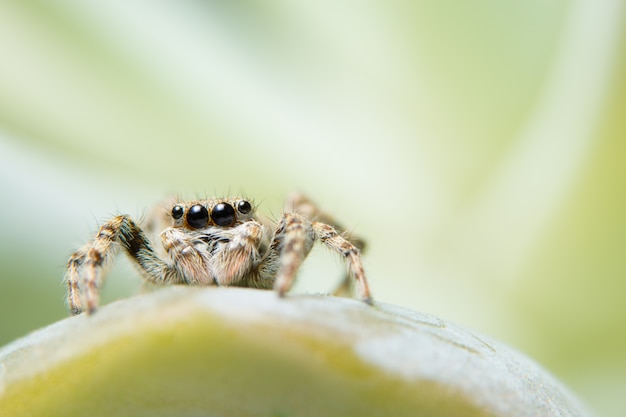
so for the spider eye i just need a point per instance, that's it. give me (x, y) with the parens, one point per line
(223, 214)
(197, 216)
(244, 207)
(177, 212)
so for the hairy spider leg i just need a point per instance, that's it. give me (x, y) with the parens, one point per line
(293, 241)
(94, 255)
(301, 204)
(333, 240)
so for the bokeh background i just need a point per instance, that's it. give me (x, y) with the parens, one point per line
(478, 146)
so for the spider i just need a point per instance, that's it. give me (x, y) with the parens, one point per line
(214, 242)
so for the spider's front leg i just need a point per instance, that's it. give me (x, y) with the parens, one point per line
(301, 204)
(304, 206)
(85, 266)
(293, 241)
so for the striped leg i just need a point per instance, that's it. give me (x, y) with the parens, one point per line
(329, 236)
(301, 204)
(293, 241)
(85, 266)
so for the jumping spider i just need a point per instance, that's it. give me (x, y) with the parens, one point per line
(214, 242)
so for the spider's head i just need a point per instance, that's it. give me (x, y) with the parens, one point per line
(221, 213)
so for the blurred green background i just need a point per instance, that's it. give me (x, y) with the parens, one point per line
(478, 146)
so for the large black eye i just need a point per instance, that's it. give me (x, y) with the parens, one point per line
(244, 207)
(223, 214)
(197, 216)
(177, 212)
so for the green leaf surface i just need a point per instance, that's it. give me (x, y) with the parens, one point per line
(240, 352)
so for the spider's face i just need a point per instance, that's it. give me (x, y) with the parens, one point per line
(224, 213)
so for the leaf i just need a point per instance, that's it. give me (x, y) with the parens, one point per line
(240, 352)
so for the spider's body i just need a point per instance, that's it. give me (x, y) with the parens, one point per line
(213, 242)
